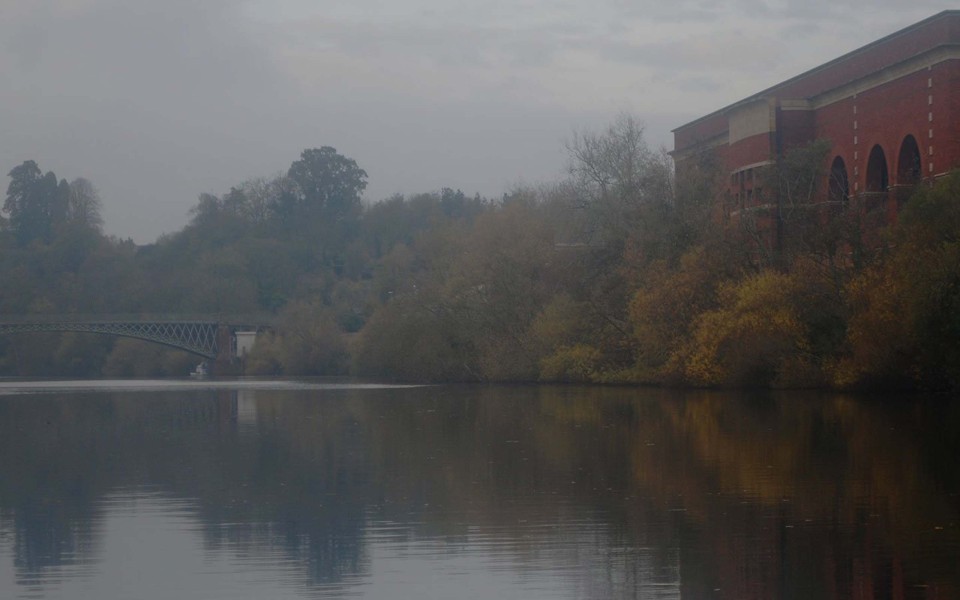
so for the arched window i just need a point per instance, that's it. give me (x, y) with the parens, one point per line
(878, 178)
(839, 184)
(909, 169)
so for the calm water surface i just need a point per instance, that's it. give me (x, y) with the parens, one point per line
(304, 490)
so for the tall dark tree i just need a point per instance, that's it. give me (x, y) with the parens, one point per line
(31, 202)
(59, 207)
(330, 184)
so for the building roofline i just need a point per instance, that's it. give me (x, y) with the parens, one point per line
(825, 66)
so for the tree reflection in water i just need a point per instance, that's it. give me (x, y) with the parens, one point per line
(624, 492)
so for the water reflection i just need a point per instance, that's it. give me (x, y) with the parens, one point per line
(531, 492)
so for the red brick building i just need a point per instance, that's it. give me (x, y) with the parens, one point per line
(890, 110)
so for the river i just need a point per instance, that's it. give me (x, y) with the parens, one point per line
(312, 489)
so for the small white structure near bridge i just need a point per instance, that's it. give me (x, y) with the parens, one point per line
(243, 342)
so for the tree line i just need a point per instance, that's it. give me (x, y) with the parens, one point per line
(621, 272)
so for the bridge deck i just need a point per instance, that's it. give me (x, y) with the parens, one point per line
(199, 334)
(264, 319)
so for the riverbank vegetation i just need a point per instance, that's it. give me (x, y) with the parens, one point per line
(619, 273)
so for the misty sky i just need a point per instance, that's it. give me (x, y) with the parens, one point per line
(156, 101)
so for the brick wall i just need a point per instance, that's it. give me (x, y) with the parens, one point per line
(750, 151)
(795, 128)
(836, 102)
(937, 31)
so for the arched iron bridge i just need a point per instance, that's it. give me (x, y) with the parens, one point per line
(203, 335)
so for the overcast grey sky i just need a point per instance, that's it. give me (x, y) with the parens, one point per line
(156, 101)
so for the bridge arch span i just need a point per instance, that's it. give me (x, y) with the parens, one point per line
(197, 337)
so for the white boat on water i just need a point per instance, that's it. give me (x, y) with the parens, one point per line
(201, 370)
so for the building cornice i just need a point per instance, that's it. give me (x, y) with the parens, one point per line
(894, 72)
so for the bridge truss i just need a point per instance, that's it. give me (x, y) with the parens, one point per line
(199, 337)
